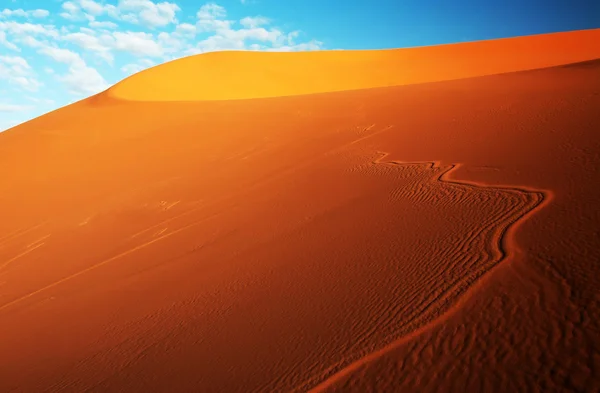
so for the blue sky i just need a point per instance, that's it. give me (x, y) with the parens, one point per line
(54, 52)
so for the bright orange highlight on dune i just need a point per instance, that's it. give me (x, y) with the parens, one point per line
(240, 75)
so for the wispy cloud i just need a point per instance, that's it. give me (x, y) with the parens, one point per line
(20, 13)
(251, 32)
(11, 108)
(16, 71)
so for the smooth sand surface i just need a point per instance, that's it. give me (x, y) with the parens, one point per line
(242, 75)
(431, 237)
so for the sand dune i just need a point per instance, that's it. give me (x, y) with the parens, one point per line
(428, 237)
(219, 76)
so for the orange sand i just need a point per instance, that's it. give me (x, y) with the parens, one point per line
(428, 237)
(242, 75)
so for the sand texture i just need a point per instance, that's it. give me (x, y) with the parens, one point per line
(437, 236)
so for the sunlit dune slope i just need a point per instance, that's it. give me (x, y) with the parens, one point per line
(239, 75)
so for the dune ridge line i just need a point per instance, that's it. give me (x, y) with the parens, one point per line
(218, 76)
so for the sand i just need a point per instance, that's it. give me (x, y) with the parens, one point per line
(427, 237)
(243, 75)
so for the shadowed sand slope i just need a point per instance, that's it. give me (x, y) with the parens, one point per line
(427, 237)
(533, 324)
(240, 75)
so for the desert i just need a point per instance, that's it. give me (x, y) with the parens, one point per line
(370, 230)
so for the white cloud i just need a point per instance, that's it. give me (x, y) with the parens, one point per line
(39, 13)
(132, 68)
(73, 12)
(85, 30)
(15, 61)
(38, 100)
(92, 7)
(17, 72)
(254, 21)
(211, 11)
(185, 29)
(171, 43)
(6, 13)
(103, 25)
(210, 18)
(216, 43)
(61, 55)
(6, 43)
(80, 79)
(11, 108)
(312, 45)
(137, 67)
(86, 40)
(27, 83)
(137, 43)
(70, 7)
(146, 12)
(22, 29)
(83, 80)
(255, 34)
(78, 10)
(31, 42)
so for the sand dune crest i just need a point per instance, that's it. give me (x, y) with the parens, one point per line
(243, 75)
